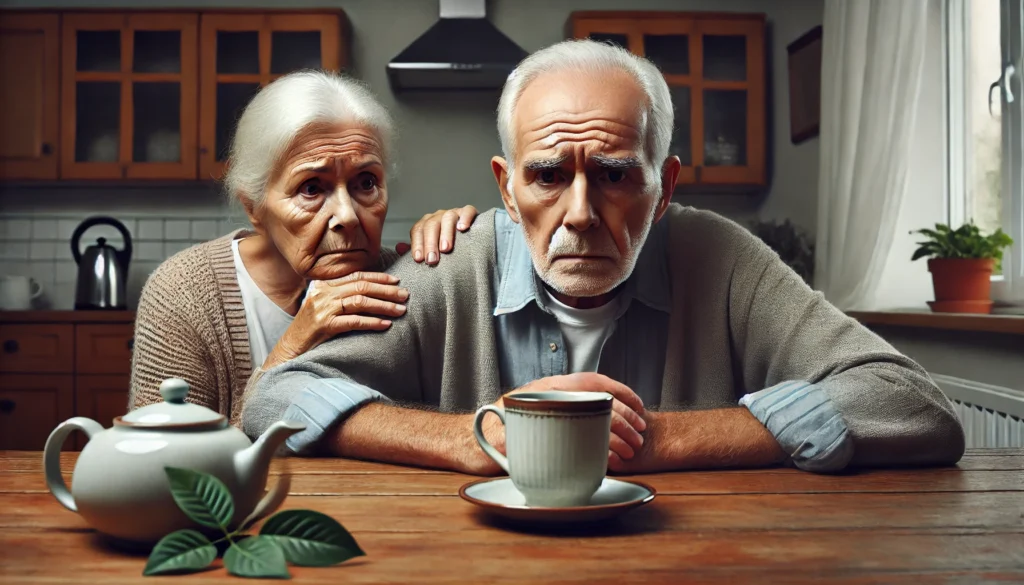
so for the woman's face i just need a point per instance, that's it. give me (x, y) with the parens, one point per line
(325, 205)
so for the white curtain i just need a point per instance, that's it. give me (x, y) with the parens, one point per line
(872, 61)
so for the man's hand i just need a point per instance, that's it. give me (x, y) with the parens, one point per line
(627, 417)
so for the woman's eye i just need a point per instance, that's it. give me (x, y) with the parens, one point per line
(547, 177)
(311, 188)
(366, 182)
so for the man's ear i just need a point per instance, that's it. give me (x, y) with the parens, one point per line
(500, 168)
(669, 176)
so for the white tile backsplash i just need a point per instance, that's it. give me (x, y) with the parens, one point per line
(39, 246)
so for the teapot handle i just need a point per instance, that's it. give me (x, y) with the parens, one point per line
(51, 456)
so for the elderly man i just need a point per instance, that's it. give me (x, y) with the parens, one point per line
(716, 352)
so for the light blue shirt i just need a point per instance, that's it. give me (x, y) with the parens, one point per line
(530, 346)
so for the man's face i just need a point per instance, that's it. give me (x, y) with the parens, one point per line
(583, 189)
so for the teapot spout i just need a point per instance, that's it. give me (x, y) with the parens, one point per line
(253, 462)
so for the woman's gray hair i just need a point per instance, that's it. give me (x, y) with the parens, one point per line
(592, 56)
(273, 118)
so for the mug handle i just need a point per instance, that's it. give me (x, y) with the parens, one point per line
(51, 456)
(38, 288)
(479, 432)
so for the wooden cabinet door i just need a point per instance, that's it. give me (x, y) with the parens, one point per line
(129, 93)
(29, 95)
(101, 398)
(104, 349)
(240, 53)
(31, 406)
(37, 348)
(730, 126)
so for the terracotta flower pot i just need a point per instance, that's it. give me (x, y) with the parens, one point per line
(962, 285)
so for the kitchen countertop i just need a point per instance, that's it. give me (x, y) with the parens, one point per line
(67, 316)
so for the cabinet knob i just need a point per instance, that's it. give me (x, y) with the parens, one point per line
(7, 406)
(10, 346)
(131, 343)
(203, 150)
(47, 149)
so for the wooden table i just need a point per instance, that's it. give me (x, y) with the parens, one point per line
(950, 525)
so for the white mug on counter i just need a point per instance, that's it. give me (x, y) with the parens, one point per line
(557, 444)
(18, 292)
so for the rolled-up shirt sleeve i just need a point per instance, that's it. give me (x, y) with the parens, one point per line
(806, 424)
(322, 404)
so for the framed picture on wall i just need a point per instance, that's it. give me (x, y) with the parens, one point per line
(805, 86)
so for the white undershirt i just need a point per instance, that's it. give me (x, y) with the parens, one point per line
(584, 330)
(265, 320)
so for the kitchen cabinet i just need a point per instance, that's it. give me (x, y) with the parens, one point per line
(240, 53)
(111, 95)
(129, 89)
(29, 95)
(714, 64)
(59, 364)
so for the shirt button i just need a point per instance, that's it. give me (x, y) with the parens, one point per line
(553, 346)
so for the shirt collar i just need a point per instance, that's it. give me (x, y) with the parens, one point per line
(518, 282)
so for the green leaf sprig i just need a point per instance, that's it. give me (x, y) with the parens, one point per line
(301, 537)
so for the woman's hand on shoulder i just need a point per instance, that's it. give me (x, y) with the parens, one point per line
(434, 233)
(361, 301)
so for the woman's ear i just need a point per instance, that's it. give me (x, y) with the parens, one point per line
(250, 211)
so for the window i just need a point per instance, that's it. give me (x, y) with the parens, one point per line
(985, 109)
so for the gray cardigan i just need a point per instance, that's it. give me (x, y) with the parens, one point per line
(741, 321)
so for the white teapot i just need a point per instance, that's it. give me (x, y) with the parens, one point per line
(119, 485)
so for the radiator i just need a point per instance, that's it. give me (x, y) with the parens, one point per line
(993, 416)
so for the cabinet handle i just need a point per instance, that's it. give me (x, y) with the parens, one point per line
(7, 406)
(47, 149)
(10, 346)
(131, 343)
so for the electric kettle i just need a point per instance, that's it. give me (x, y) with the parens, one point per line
(102, 270)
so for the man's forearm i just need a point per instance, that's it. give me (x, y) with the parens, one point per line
(408, 436)
(705, 439)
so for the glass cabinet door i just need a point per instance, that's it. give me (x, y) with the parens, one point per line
(243, 52)
(130, 86)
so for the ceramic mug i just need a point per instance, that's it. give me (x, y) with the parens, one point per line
(557, 444)
(18, 292)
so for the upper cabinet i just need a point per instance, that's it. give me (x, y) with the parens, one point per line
(239, 53)
(129, 91)
(29, 95)
(141, 94)
(715, 68)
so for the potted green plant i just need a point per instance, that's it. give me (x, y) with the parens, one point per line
(961, 262)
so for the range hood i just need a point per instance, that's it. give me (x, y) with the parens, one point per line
(463, 50)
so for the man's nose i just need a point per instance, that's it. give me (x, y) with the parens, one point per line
(343, 214)
(581, 214)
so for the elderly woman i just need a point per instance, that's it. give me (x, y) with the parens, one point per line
(309, 163)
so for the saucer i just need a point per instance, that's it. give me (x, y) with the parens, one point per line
(500, 497)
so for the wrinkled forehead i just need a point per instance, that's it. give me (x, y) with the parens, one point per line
(602, 110)
(332, 143)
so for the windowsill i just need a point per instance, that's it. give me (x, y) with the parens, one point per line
(922, 318)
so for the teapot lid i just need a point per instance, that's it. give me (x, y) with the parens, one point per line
(173, 412)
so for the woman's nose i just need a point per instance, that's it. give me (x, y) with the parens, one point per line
(343, 214)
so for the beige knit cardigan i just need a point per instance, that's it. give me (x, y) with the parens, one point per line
(190, 324)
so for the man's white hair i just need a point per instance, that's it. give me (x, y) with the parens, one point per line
(285, 107)
(592, 57)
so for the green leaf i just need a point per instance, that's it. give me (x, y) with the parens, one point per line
(203, 497)
(182, 551)
(310, 538)
(256, 556)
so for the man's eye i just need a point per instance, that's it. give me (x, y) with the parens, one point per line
(311, 188)
(547, 177)
(615, 176)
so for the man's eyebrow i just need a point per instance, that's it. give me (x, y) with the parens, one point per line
(544, 164)
(619, 164)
